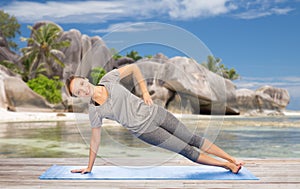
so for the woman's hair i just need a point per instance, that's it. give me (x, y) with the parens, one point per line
(68, 82)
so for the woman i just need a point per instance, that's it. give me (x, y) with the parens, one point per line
(145, 120)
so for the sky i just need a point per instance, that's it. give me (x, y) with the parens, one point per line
(259, 38)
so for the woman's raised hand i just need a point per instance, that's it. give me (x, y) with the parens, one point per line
(147, 98)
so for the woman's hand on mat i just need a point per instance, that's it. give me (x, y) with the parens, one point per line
(82, 171)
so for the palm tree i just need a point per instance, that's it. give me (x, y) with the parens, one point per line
(229, 73)
(134, 55)
(27, 69)
(213, 64)
(44, 48)
(232, 75)
(24, 69)
(116, 54)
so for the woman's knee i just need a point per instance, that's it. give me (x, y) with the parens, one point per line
(197, 141)
(190, 153)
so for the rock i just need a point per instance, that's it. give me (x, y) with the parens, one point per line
(72, 53)
(159, 58)
(206, 92)
(5, 52)
(123, 61)
(20, 97)
(4, 73)
(158, 91)
(246, 100)
(182, 85)
(84, 53)
(3, 99)
(265, 100)
(278, 98)
(102, 56)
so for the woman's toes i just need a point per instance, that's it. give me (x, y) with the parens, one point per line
(240, 162)
(233, 168)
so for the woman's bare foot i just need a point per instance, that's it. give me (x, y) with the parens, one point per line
(233, 167)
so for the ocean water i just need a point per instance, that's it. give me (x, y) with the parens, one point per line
(246, 137)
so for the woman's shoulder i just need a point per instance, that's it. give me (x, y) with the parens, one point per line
(112, 76)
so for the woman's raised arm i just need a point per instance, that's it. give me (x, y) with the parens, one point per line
(134, 69)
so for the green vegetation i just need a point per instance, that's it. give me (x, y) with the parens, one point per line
(213, 64)
(44, 48)
(116, 54)
(24, 70)
(96, 74)
(48, 88)
(134, 55)
(11, 66)
(9, 27)
(229, 73)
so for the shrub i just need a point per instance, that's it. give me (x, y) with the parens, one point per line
(48, 88)
(96, 74)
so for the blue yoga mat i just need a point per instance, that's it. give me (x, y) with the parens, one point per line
(147, 173)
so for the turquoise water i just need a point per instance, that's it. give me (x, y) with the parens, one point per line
(264, 137)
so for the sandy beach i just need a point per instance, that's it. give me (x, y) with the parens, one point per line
(8, 116)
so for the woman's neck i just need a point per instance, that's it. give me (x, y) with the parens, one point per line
(100, 94)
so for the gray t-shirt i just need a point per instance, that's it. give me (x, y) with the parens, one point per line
(121, 106)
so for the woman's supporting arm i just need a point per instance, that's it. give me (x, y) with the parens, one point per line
(134, 69)
(94, 146)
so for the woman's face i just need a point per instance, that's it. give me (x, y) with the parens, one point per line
(81, 87)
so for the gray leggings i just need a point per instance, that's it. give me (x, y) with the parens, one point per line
(167, 132)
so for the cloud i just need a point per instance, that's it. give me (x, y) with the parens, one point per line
(127, 27)
(187, 9)
(262, 8)
(65, 12)
(254, 83)
(104, 11)
(258, 13)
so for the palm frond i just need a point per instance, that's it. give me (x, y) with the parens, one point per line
(41, 68)
(57, 60)
(44, 48)
(61, 44)
(57, 53)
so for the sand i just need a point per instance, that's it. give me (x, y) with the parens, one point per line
(8, 116)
